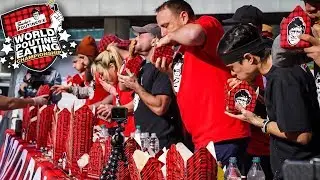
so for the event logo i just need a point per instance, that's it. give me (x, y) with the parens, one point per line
(295, 28)
(34, 37)
(242, 97)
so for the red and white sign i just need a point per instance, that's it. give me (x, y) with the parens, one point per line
(19, 160)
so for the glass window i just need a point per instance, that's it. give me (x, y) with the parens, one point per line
(78, 34)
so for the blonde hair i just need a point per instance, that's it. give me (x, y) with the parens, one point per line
(105, 58)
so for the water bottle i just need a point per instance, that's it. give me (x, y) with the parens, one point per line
(147, 140)
(256, 172)
(104, 131)
(137, 134)
(154, 143)
(232, 172)
(144, 141)
(138, 131)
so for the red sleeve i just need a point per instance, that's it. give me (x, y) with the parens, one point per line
(214, 31)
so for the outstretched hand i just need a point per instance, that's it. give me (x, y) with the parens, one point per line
(246, 116)
(40, 100)
(57, 89)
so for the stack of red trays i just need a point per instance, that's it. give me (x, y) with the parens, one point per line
(31, 133)
(175, 164)
(44, 125)
(158, 154)
(61, 134)
(133, 170)
(96, 160)
(26, 118)
(82, 130)
(202, 165)
(123, 172)
(130, 146)
(152, 170)
(107, 149)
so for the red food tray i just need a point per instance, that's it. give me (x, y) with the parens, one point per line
(164, 51)
(175, 165)
(297, 23)
(243, 94)
(133, 65)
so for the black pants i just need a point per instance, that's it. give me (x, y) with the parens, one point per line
(231, 148)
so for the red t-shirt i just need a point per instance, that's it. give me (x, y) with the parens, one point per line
(259, 143)
(201, 96)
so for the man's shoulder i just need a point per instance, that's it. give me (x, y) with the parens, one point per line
(208, 21)
(206, 18)
(289, 75)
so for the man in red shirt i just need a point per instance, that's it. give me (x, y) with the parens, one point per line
(201, 96)
(259, 142)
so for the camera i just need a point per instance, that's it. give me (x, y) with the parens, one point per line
(119, 114)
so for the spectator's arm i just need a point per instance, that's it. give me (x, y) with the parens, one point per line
(80, 92)
(7, 103)
(299, 137)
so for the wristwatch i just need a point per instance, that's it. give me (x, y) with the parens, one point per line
(265, 123)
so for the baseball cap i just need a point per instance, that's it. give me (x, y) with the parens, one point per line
(149, 28)
(109, 38)
(246, 14)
